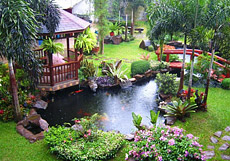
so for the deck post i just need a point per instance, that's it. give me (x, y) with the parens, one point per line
(167, 58)
(50, 55)
(75, 49)
(67, 41)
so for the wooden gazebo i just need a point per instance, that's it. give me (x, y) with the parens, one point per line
(59, 76)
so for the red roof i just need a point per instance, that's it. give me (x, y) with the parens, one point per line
(68, 23)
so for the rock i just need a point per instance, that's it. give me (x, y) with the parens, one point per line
(223, 147)
(129, 137)
(210, 147)
(226, 138)
(170, 120)
(125, 84)
(34, 119)
(218, 134)
(26, 133)
(225, 157)
(138, 76)
(92, 84)
(43, 124)
(132, 79)
(148, 73)
(227, 129)
(33, 112)
(165, 97)
(213, 140)
(209, 154)
(40, 104)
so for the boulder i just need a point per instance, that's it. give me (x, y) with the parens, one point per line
(138, 76)
(129, 137)
(43, 124)
(40, 104)
(170, 120)
(93, 84)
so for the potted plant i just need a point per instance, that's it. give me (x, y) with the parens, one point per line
(86, 41)
(51, 47)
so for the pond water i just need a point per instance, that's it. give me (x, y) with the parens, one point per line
(116, 106)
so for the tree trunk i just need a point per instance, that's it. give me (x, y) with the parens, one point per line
(161, 49)
(191, 75)
(101, 46)
(14, 92)
(126, 27)
(132, 23)
(209, 76)
(183, 66)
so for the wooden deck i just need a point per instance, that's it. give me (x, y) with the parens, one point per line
(58, 86)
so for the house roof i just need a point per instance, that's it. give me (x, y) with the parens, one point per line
(69, 23)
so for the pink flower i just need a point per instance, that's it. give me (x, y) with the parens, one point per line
(89, 131)
(85, 136)
(168, 150)
(64, 141)
(190, 136)
(159, 158)
(89, 134)
(71, 139)
(171, 142)
(186, 153)
(162, 138)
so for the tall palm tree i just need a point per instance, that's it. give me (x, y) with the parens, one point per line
(218, 12)
(18, 28)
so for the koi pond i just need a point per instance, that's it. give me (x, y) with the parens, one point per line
(116, 105)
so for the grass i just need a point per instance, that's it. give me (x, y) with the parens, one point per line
(205, 124)
(126, 51)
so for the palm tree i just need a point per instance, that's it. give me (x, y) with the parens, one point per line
(217, 15)
(18, 28)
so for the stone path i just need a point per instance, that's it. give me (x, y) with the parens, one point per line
(223, 148)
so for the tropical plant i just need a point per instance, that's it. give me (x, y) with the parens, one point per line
(164, 143)
(150, 48)
(84, 42)
(115, 70)
(145, 56)
(154, 116)
(139, 67)
(51, 47)
(157, 66)
(180, 109)
(137, 121)
(166, 83)
(114, 28)
(88, 69)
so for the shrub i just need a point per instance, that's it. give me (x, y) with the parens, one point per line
(150, 48)
(167, 83)
(226, 83)
(139, 67)
(156, 65)
(164, 143)
(85, 142)
(88, 69)
(172, 57)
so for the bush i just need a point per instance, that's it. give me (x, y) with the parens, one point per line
(150, 48)
(172, 58)
(167, 83)
(85, 142)
(156, 65)
(226, 83)
(139, 67)
(164, 143)
(87, 69)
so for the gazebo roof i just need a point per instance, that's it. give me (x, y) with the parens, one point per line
(69, 23)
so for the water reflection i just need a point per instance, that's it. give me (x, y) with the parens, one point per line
(115, 105)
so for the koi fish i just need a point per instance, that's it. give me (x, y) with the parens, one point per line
(78, 91)
(83, 113)
(104, 117)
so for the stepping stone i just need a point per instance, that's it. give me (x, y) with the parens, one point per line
(225, 146)
(209, 154)
(225, 157)
(226, 138)
(227, 129)
(210, 147)
(218, 134)
(214, 140)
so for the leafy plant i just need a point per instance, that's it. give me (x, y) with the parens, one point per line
(116, 72)
(150, 48)
(88, 69)
(154, 116)
(139, 67)
(145, 57)
(51, 47)
(84, 42)
(156, 65)
(164, 143)
(166, 83)
(137, 120)
(180, 109)
(172, 57)
(226, 83)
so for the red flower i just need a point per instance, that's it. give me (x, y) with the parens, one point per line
(77, 121)
(1, 112)
(192, 90)
(202, 93)
(185, 92)
(32, 97)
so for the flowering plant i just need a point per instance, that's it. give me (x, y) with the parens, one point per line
(164, 143)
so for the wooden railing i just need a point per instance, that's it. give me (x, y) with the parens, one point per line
(60, 73)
